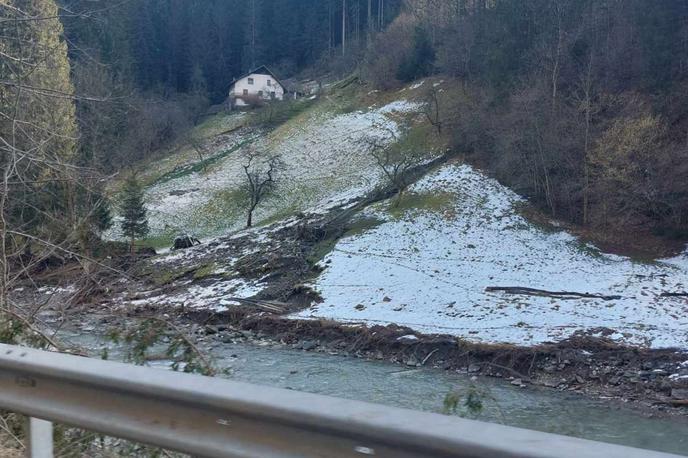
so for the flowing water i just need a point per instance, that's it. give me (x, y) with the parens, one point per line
(425, 389)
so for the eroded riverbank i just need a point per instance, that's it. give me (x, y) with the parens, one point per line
(255, 357)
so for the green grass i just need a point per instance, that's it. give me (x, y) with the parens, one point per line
(355, 227)
(277, 113)
(179, 155)
(179, 172)
(160, 241)
(205, 270)
(218, 124)
(362, 225)
(320, 250)
(435, 202)
(279, 215)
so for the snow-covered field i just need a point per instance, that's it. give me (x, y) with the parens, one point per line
(326, 159)
(428, 269)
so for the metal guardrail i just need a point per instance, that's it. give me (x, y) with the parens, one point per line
(213, 417)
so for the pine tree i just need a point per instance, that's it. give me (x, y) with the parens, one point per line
(134, 220)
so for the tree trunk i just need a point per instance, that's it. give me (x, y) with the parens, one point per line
(370, 17)
(586, 150)
(382, 14)
(253, 33)
(343, 27)
(330, 32)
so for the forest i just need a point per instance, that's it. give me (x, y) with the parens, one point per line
(576, 104)
(170, 59)
(551, 86)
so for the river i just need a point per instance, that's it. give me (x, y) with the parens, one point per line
(425, 389)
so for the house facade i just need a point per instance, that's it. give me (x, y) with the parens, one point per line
(256, 86)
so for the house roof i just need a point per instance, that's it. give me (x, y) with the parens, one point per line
(262, 70)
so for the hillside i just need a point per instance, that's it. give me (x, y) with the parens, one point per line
(325, 160)
(425, 263)
(428, 268)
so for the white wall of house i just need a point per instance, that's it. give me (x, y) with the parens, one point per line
(256, 85)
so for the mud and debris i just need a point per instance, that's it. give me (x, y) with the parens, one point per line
(218, 288)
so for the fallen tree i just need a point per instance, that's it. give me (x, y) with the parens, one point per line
(541, 292)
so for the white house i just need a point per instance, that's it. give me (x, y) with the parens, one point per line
(257, 85)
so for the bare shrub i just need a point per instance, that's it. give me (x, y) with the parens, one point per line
(260, 171)
(388, 51)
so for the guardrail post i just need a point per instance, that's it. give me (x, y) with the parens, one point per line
(40, 438)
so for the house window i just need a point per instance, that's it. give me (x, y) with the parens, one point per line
(250, 81)
(260, 93)
(272, 95)
(245, 91)
(269, 83)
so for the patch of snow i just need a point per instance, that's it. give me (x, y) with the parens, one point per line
(57, 289)
(417, 85)
(435, 266)
(678, 377)
(326, 162)
(401, 106)
(408, 337)
(216, 296)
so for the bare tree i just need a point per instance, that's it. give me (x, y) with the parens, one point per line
(343, 27)
(260, 179)
(431, 109)
(396, 159)
(199, 146)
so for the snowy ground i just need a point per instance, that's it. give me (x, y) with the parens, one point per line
(428, 269)
(326, 159)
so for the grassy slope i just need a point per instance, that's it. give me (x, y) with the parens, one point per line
(321, 144)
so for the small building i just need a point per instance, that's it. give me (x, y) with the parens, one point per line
(301, 88)
(255, 88)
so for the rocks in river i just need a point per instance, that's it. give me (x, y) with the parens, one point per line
(309, 345)
(473, 368)
(412, 361)
(360, 307)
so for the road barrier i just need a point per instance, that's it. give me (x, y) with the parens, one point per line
(213, 417)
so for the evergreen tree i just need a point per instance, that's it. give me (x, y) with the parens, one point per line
(134, 220)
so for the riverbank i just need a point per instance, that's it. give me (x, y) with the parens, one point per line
(652, 382)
